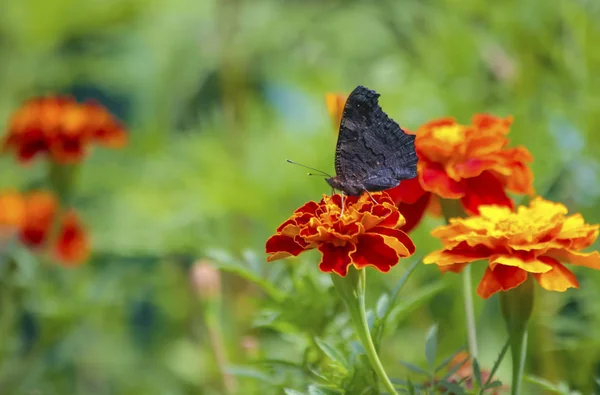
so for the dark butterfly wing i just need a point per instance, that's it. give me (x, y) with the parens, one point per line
(372, 150)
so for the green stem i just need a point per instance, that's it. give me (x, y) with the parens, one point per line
(469, 311)
(518, 350)
(453, 209)
(352, 290)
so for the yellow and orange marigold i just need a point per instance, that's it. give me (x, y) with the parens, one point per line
(534, 240)
(61, 128)
(32, 217)
(367, 234)
(467, 162)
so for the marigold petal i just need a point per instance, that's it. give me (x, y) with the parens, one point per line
(397, 239)
(485, 189)
(408, 191)
(558, 279)
(455, 268)
(531, 266)
(280, 246)
(587, 259)
(414, 213)
(434, 179)
(501, 278)
(336, 259)
(463, 253)
(374, 250)
(335, 106)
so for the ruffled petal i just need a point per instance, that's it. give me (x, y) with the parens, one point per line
(558, 279)
(374, 250)
(336, 259)
(414, 213)
(531, 266)
(587, 259)
(434, 179)
(279, 247)
(408, 191)
(397, 239)
(485, 189)
(501, 278)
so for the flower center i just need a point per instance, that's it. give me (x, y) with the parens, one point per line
(452, 134)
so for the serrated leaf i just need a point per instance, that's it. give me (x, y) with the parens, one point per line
(382, 305)
(450, 388)
(411, 387)
(447, 360)
(333, 353)
(494, 384)
(414, 368)
(498, 362)
(431, 346)
(477, 373)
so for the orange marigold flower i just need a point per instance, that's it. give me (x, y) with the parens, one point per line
(367, 233)
(467, 162)
(535, 239)
(61, 128)
(32, 215)
(335, 103)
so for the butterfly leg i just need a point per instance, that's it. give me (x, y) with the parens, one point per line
(342, 213)
(371, 196)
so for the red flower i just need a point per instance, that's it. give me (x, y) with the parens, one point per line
(32, 216)
(466, 162)
(367, 233)
(61, 128)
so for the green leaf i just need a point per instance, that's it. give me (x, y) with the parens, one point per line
(477, 373)
(497, 362)
(450, 388)
(431, 346)
(446, 361)
(414, 368)
(288, 391)
(543, 383)
(256, 374)
(224, 261)
(333, 353)
(383, 305)
(314, 390)
(494, 384)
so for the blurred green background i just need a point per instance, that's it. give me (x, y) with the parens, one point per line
(216, 95)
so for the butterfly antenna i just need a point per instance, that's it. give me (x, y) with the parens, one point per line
(308, 167)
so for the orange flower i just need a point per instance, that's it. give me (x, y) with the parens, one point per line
(466, 162)
(367, 233)
(61, 128)
(535, 239)
(335, 103)
(33, 215)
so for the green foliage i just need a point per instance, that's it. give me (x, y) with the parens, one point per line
(216, 95)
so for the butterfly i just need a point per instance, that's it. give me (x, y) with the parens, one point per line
(373, 153)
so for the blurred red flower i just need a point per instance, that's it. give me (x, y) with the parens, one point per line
(61, 128)
(367, 234)
(466, 162)
(32, 216)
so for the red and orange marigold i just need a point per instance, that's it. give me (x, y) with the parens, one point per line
(535, 240)
(367, 234)
(32, 217)
(62, 128)
(467, 162)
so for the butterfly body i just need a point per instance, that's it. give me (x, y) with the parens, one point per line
(373, 153)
